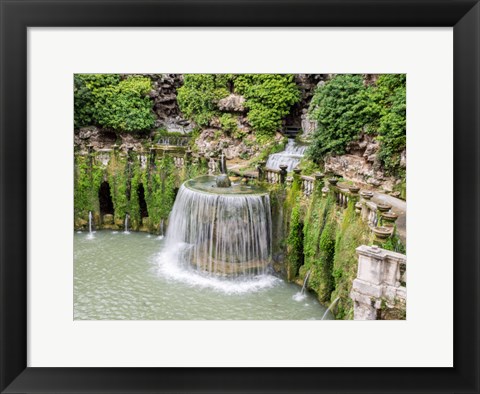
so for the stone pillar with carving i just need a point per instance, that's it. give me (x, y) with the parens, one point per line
(380, 283)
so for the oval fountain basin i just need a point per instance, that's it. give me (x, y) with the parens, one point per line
(208, 184)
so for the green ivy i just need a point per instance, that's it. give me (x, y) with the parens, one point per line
(352, 233)
(160, 190)
(199, 95)
(228, 122)
(87, 181)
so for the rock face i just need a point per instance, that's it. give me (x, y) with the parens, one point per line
(95, 137)
(211, 143)
(164, 94)
(361, 164)
(232, 103)
(299, 114)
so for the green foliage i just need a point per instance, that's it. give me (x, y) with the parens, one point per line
(118, 180)
(341, 109)
(319, 245)
(108, 101)
(344, 108)
(391, 100)
(198, 96)
(160, 190)
(295, 243)
(269, 98)
(395, 244)
(228, 122)
(87, 182)
(352, 233)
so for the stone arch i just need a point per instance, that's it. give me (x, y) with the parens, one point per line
(105, 199)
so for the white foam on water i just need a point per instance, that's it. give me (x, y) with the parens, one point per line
(171, 266)
(299, 296)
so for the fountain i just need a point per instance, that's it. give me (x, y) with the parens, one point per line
(90, 222)
(330, 308)
(291, 156)
(219, 229)
(301, 295)
(223, 180)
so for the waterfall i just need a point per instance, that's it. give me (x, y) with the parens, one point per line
(126, 223)
(227, 234)
(291, 156)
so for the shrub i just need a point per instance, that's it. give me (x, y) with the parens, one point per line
(108, 101)
(341, 109)
(269, 98)
(198, 96)
(228, 122)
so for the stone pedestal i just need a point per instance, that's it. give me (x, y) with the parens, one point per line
(379, 282)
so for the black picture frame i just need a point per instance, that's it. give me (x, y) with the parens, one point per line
(18, 15)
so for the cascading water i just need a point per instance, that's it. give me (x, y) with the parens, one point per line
(126, 223)
(90, 231)
(90, 222)
(291, 156)
(224, 231)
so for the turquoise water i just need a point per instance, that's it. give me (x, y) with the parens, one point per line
(119, 276)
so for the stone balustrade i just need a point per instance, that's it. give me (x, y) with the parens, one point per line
(380, 286)
(176, 140)
(272, 176)
(179, 161)
(307, 185)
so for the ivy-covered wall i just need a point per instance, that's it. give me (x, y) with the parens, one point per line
(321, 238)
(124, 174)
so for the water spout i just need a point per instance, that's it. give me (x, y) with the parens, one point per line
(89, 222)
(223, 180)
(127, 216)
(305, 283)
(330, 307)
(300, 296)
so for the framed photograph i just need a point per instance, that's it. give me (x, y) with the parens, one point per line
(202, 197)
